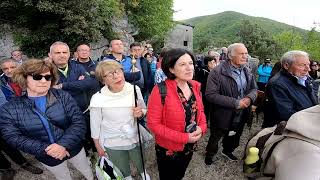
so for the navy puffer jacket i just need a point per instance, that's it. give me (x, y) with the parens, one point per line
(22, 128)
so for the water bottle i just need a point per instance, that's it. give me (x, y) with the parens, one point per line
(251, 162)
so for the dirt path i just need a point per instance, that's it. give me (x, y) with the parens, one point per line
(221, 169)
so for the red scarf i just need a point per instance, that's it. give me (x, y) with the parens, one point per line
(16, 88)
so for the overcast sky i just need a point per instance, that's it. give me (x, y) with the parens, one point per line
(300, 13)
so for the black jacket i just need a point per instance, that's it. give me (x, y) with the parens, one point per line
(22, 128)
(222, 93)
(146, 71)
(78, 88)
(286, 97)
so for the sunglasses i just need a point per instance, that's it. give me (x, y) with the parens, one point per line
(38, 77)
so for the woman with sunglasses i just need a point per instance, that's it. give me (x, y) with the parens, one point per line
(45, 122)
(112, 119)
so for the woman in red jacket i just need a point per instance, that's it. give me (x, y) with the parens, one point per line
(180, 122)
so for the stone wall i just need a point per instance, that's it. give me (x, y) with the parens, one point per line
(180, 37)
(6, 42)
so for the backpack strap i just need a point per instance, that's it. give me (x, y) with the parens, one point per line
(261, 142)
(163, 91)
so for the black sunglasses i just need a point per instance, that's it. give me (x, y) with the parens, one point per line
(38, 77)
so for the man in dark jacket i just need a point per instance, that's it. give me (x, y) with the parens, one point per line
(73, 77)
(231, 90)
(9, 88)
(145, 81)
(75, 80)
(291, 90)
(201, 75)
(83, 52)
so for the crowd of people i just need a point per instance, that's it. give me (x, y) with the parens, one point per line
(63, 108)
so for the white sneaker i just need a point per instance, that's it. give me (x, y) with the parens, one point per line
(147, 176)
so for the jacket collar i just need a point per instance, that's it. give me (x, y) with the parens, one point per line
(293, 78)
(111, 56)
(51, 98)
(4, 79)
(92, 63)
(226, 69)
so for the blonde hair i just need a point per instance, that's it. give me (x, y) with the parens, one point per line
(106, 65)
(34, 66)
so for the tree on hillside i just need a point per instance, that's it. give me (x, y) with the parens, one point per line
(312, 42)
(37, 24)
(258, 42)
(291, 40)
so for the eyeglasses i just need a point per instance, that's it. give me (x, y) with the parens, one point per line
(111, 74)
(38, 77)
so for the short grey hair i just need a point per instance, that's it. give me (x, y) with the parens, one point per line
(213, 52)
(16, 51)
(232, 47)
(58, 43)
(290, 56)
(8, 60)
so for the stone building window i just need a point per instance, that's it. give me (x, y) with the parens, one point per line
(185, 43)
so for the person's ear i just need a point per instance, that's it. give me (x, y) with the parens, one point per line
(286, 66)
(171, 70)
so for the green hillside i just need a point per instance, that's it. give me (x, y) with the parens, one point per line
(222, 28)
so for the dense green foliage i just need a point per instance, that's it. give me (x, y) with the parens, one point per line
(258, 41)
(222, 29)
(153, 18)
(37, 23)
(310, 42)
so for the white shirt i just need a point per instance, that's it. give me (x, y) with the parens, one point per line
(111, 117)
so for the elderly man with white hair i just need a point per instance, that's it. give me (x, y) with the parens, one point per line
(291, 90)
(231, 90)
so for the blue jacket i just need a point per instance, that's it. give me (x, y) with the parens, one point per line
(264, 73)
(2, 98)
(127, 66)
(153, 68)
(286, 97)
(147, 77)
(6, 89)
(22, 128)
(77, 88)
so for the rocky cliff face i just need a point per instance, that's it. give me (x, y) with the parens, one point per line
(6, 42)
(121, 27)
(123, 30)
